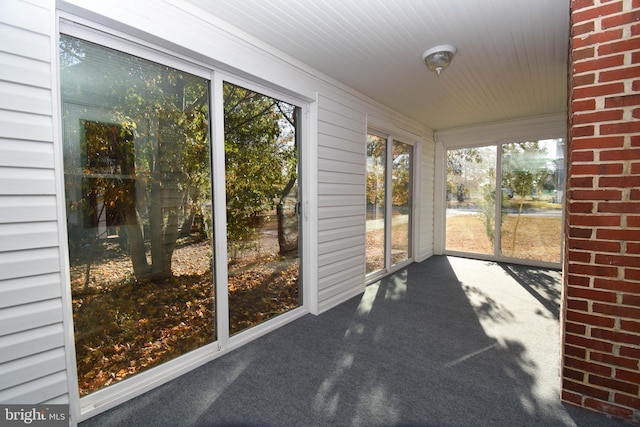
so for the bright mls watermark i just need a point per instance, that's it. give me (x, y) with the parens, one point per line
(34, 415)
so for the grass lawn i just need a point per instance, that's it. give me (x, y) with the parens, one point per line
(538, 237)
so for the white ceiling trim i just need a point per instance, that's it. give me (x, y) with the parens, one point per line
(521, 130)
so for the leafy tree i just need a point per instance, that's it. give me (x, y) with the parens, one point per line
(487, 206)
(457, 163)
(261, 163)
(400, 172)
(376, 148)
(155, 142)
(524, 169)
(456, 159)
(173, 160)
(153, 136)
(401, 175)
(288, 142)
(470, 174)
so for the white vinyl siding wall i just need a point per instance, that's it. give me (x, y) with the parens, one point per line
(341, 202)
(32, 352)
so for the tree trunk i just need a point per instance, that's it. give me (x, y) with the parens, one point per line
(137, 249)
(156, 225)
(285, 244)
(133, 227)
(164, 219)
(191, 209)
(515, 228)
(170, 237)
(132, 221)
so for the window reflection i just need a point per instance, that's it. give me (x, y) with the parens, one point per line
(137, 189)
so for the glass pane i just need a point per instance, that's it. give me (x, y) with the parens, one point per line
(532, 189)
(470, 215)
(376, 172)
(401, 188)
(261, 148)
(137, 189)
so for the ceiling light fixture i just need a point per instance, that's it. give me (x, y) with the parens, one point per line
(438, 58)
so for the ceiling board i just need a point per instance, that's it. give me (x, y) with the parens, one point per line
(511, 60)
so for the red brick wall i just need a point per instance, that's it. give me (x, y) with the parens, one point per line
(601, 345)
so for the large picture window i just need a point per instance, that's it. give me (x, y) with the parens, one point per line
(471, 201)
(505, 201)
(138, 201)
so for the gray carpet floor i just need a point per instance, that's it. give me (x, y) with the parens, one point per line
(446, 342)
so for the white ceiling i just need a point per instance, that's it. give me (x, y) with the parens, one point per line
(511, 61)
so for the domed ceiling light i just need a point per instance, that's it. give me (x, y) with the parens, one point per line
(438, 58)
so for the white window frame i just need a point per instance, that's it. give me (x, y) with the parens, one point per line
(384, 131)
(221, 226)
(494, 134)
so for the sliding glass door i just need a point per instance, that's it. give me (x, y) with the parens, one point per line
(401, 201)
(138, 201)
(389, 198)
(376, 203)
(521, 218)
(262, 140)
(140, 213)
